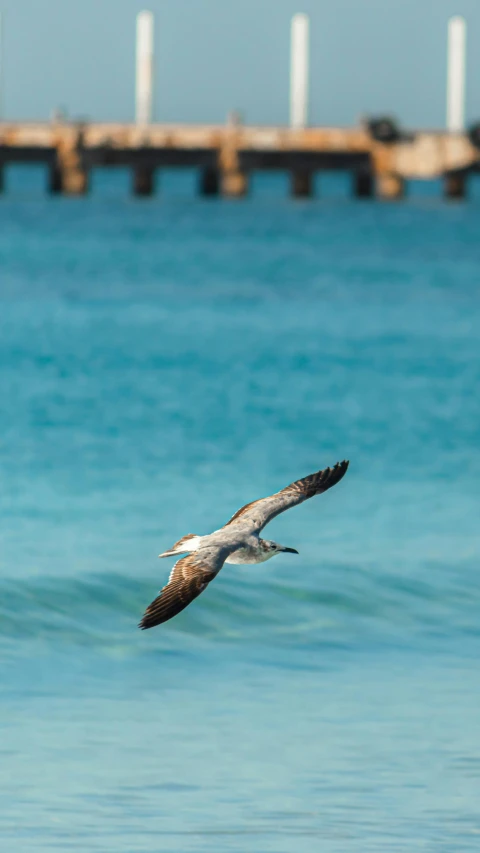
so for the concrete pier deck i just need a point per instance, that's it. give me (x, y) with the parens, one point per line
(226, 155)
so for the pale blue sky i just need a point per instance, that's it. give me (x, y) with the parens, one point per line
(368, 56)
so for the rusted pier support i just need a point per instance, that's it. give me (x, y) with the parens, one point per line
(209, 181)
(363, 183)
(55, 183)
(301, 183)
(390, 186)
(234, 179)
(455, 185)
(68, 173)
(67, 181)
(234, 184)
(143, 180)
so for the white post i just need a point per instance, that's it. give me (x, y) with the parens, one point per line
(144, 76)
(299, 71)
(456, 75)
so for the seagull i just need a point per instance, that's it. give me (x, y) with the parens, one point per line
(237, 542)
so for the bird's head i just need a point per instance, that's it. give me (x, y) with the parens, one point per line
(273, 548)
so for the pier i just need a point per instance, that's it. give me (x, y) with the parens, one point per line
(380, 159)
(380, 156)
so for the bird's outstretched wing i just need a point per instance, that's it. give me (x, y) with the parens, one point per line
(254, 516)
(188, 578)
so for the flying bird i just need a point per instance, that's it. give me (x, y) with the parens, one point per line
(238, 541)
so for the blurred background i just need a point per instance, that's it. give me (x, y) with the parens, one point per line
(212, 57)
(165, 359)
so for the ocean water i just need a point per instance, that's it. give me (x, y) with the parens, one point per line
(162, 363)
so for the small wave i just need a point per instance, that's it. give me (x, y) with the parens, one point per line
(102, 610)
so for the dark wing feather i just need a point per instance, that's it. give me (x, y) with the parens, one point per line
(257, 514)
(188, 578)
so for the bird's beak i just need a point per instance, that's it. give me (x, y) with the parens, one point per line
(290, 551)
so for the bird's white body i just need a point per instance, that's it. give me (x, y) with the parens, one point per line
(255, 550)
(251, 554)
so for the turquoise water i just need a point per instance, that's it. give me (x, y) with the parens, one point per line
(162, 363)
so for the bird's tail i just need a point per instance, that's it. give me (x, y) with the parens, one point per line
(185, 545)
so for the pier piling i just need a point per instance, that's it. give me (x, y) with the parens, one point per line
(234, 179)
(143, 181)
(55, 185)
(235, 184)
(363, 183)
(302, 183)
(390, 186)
(455, 185)
(209, 181)
(68, 172)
